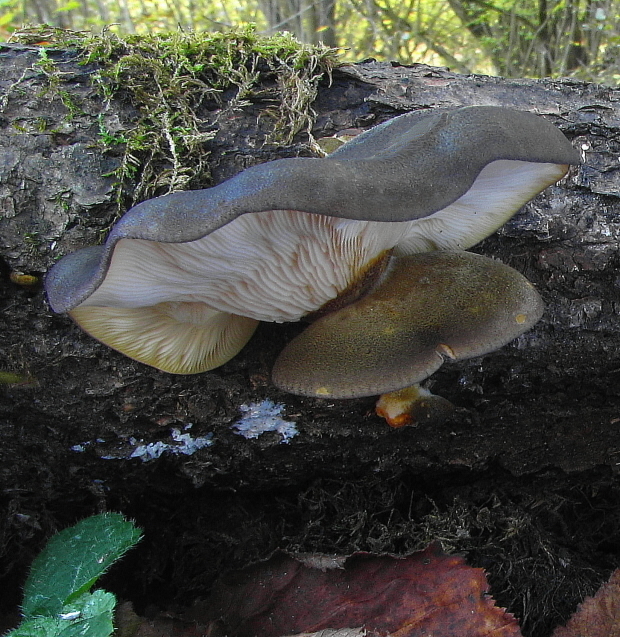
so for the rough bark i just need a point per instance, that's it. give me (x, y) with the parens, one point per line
(542, 411)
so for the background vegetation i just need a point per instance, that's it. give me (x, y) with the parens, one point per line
(512, 38)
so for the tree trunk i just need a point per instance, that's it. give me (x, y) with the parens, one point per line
(540, 416)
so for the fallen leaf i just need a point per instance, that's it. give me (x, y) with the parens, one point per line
(421, 594)
(342, 632)
(597, 616)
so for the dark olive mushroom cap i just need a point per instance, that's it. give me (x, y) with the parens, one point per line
(430, 307)
(407, 168)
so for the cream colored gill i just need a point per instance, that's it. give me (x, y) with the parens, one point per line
(280, 265)
(270, 266)
(181, 338)
(501, 188)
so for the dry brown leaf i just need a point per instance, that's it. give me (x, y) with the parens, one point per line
(597, 616)
(342, 632)
(425, 593)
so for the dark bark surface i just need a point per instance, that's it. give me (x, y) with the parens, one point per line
(537, 423)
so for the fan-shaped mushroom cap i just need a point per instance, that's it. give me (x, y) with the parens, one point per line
(282, 239)
(429, 307)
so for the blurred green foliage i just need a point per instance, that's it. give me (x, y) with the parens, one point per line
(514, 38)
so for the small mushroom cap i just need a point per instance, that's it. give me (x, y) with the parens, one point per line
(429, 307)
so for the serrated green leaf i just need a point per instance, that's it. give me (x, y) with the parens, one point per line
(90, 604)
(90, 615)
(99, 626)
(73, 560)
(39, 627)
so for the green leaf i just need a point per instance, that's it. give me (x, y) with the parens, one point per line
(39, 627)
(90, 604)
(7, 18)
(89, 615)
(99, 626)
(69, 6)
(73, 560)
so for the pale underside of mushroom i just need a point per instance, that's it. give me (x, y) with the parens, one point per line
(189, 307)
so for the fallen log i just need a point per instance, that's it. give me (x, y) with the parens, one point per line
(78, 421)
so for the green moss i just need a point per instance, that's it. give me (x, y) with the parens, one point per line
(11, 378)
(168, 78)
(32, 239)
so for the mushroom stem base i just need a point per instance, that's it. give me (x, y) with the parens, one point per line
(411, 406)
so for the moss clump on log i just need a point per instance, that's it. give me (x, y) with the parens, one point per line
(170, 79)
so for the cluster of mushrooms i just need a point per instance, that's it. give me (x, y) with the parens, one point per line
(368, 244)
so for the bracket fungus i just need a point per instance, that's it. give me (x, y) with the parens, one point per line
(367, 242)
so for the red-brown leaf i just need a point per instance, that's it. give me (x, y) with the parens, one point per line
(424, 593)
(597, 616)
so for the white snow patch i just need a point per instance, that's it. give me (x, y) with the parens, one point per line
(183, 444)
(261, 417)
(180, 443)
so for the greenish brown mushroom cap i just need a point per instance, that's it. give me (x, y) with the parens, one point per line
(430, 307)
